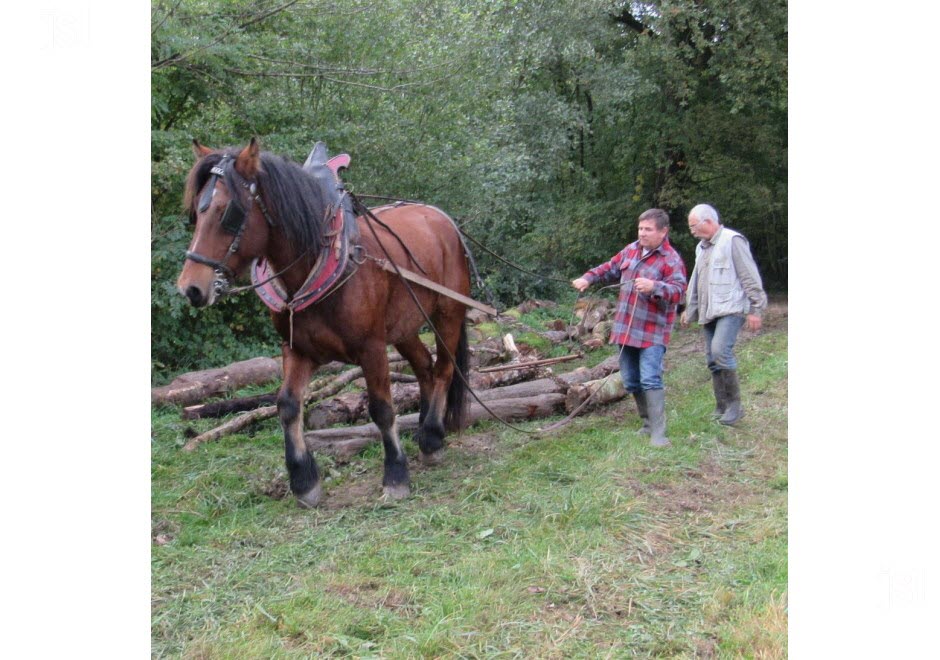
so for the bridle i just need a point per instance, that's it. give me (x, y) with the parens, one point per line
(233, 218)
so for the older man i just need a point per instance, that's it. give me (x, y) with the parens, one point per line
(725, 292)
(652, 277)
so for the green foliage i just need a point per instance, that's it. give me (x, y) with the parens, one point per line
(545, 127)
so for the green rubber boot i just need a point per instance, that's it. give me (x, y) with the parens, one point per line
(718, 385)
(733, 410)
(641, 407)
(656, 404)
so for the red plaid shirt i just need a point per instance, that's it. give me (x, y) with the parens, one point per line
(644, 320)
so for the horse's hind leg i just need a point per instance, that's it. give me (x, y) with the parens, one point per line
(396, 483)
(302, 468)
(419, 357)
(449, 348)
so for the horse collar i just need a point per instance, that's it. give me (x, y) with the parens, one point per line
(323, 277)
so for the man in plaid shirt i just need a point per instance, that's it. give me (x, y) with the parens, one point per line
(652, 280)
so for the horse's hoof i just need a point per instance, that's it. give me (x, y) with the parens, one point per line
(311, 498)
(398, 492)
(434, 458)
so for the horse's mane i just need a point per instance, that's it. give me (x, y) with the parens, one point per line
(295, 199)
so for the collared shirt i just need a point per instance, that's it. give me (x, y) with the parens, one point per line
(700, 304)
(644, 320)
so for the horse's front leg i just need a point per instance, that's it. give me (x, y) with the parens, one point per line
(396, 483)
(302, 468)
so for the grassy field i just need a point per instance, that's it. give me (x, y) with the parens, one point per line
(583, 543)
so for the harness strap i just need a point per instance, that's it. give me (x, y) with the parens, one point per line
(322, 280)
(212, 263)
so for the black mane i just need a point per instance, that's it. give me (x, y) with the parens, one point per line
(296, 200)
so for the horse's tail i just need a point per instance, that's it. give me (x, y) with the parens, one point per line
(455, 418)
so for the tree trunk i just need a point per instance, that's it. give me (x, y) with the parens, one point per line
(228, 406)
(611, 389)
(478, 381)
(351, 407)
(196, 386)
(348, 441)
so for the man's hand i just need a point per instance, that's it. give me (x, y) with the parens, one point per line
(643, 285)
(580, 284)
(684, 319)
(753, 322)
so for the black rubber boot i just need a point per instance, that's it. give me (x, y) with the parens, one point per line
(656, 404)
(640, 398)
(733, 410)
(718, 385)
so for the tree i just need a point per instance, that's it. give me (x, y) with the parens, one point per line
(546, 127)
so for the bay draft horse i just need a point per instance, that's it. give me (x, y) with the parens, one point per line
(249, 204)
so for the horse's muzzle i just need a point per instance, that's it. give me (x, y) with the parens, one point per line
(195, 296)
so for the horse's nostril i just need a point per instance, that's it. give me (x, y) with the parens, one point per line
(195, 296)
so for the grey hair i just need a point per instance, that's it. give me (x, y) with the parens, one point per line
(705, 213)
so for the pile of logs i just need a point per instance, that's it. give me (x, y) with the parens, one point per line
(520, 387)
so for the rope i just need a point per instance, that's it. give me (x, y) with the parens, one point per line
(369, 216)
(249, 287)
(509, 263)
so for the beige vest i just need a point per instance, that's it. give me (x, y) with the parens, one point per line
(725, 294)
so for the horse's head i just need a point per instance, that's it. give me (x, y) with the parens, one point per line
(231, 221)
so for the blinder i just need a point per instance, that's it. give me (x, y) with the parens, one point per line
(234, 217)
(209, 192)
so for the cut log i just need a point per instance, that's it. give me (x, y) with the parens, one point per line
(352, 407)
(584, 374)
(228, 406)
(510, 345)
(196, 386)
(556, 336)
(533, 363)
(350, 440)
(600, 392)
(244, 419)
(241, 404)
(232, 426)
(525, 389)
(478, 381)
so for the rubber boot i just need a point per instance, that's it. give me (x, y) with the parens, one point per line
(656, 404)
(640, 398)
(733, 411)
(718, 385)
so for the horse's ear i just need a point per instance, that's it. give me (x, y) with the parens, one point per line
(249, 160)
(200, 150)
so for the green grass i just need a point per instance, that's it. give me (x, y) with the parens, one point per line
(583, 543)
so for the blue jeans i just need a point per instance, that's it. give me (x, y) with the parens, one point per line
(720, 335)
(641, 369)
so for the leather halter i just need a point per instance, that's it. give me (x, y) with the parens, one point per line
(234, 218)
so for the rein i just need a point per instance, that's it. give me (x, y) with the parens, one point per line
(457, 372)
(369, 216)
